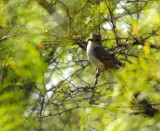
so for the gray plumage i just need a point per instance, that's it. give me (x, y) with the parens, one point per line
(98, 56)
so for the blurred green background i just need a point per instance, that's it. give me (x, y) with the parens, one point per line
(46, 80)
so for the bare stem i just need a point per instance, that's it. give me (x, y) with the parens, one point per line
(93, 88)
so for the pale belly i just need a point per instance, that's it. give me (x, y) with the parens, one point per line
(92, 58)
(96, 63)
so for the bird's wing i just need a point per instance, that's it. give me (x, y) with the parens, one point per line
(108, 59)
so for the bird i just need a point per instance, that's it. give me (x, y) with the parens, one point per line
(99, 57)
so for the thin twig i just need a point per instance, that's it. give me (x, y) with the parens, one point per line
(113, 25)
(61, 112)
(93, 88)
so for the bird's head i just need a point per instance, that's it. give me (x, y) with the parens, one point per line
(95, 37)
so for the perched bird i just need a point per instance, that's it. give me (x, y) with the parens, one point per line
(98, 56)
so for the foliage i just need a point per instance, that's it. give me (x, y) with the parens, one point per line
(46, 81)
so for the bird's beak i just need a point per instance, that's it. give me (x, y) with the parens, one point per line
(90, 39)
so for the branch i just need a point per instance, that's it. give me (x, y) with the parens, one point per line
(55, 15)
(93, 88)
(113, 25)
(61, 112)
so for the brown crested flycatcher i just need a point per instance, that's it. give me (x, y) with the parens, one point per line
(98, 56)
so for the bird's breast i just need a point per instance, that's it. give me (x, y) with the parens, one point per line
(92, 57)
